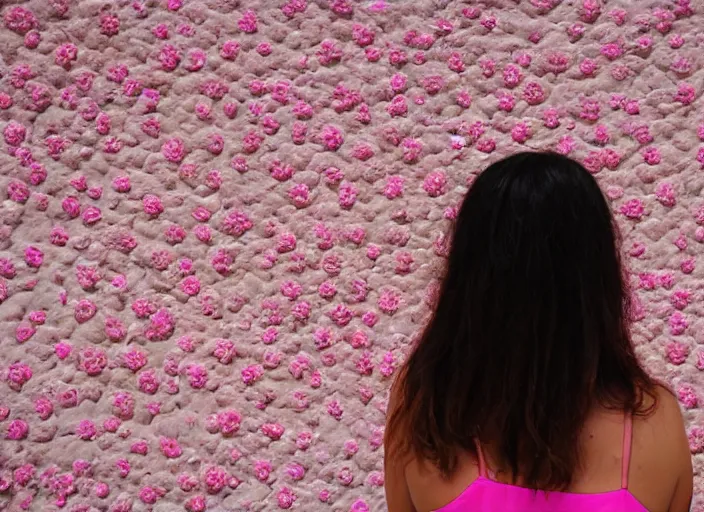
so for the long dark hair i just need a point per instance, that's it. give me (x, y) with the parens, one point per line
(530, 330)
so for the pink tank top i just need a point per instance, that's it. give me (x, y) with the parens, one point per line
(486, 495)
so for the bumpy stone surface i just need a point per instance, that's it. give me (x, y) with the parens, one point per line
(222, 222)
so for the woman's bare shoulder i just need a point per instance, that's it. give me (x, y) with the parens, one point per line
(660, 459)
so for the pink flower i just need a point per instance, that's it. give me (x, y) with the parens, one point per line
(150, 495)
(512, 76)
(62, 350)
(687, 395)
(101, 490)
(92, 360)
(285, 497)
(84, 310)
(665, 194)
(20, 20)
(86, 430)
(17, 430)
(174, 150)
(651, 155)
(633, 209)
(533, 93)
(196, 503)
(170, 447)
(65, 54)
(18, 191)
(389, 301)
(230, 49)
(677, 352)
(455, 62)
(588, 67)
(362, 35)
(685, 94)
(18, 374)
(109, 24)
(273, 431)
(123, 467)
(334, 409)
(248, 22)
(190, 285)
(434, 183)
(91, 215)
(33, 256)
(161, 325)
(215, 479)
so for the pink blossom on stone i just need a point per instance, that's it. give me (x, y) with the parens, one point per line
(687, 396)
(151, 495)
(18, 374)
(488, 67)
(101, 490)
(677, 323)
(273, 431)
(170, 447)
(66, 54)
(665, 194)
(588, 66)
(286, 497)
(464, 99)
(610, 158)
(62, 349)
(332, 138)
(328, 53)
(33, 256)
(17, 430)
(91, 215)
(685, 94)
(601, 134)
(677, 352)
(196, 503)
(633, 209)
(92, 360)
(455, 62)
(412, 149)
(488, 22)
(251, 374)
(651, 155)
(84, 310)
(512, 76)
(174, 150)
(20, 20)
(435, 183)
(533, 93)
(123, 467)
(86, 430)
(18, 191)
(520, 132)
(347, 195)
(190, 285)
(248, 22)
(334, 409)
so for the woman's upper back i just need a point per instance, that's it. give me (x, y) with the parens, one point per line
(657, 478)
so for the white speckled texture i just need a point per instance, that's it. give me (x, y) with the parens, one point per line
(383, 198)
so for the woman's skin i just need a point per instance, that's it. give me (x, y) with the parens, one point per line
(660, 475)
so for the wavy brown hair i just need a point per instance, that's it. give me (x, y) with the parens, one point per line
(530, 330)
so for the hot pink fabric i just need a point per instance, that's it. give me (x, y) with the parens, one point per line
(486, 495)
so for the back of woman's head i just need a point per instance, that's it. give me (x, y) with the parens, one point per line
(530, 330)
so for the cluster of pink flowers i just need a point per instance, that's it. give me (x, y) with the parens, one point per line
(407, 99)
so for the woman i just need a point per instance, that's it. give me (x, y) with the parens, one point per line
(524, 393)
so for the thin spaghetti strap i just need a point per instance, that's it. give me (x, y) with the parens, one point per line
(627, 443)
(482, 462)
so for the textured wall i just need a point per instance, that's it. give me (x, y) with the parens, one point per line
(222, 221)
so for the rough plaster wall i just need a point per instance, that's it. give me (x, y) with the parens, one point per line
(214, 256)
